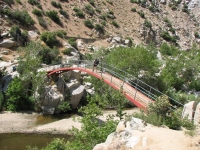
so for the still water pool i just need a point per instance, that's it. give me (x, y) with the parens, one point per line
(16, 141)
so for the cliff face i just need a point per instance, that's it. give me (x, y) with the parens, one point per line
(143, 22)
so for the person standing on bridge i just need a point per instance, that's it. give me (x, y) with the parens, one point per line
(96, 62)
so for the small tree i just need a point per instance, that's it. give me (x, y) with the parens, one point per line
(49, 38)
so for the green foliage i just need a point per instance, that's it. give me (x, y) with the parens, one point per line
(54, 16)
(103, 17)
(173, 121)
(190, 132)
(169, 50)
(37, 12)
(196, 34)
(17, 98)
(64, 106)
(151, 118)
(61, 33)
(72, 42)
(89, 10)
(56, 144)
(185, 9)
(137, 59)
(92, 2)
(33, 2)
(161, 106)
(79, 13)
(141, 13)
(147, 23)
(114, 23)
(15, 31)
(19, 2)
(99, 28)
(23, 17)
(56, 4)
(89, 24)
(67, 51)
(42, 22)
(151, 8)
(169, 24)
(92, 131)
(98, 10)
(188, 124)
(110, 2)
(49, 38)
(133, 9)
(9, 2)
(165, 35)
(64, 13)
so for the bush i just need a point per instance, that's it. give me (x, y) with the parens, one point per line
(99, 28)
(67, 51)
(173, 121)
(42, 22)
(196, 34)
(79, 13)
(114, 23)
(23, 17)
(9, 2)
(33, 2)
(147, 23)
(19, 2)
(103, 17)
(165, 35)
(89, 10)
(61, 33)
(64, 13)
(54, 16)
(37, 12)
(49, 38)
(141, 13)
(151, 8)
(133, 9)
(88, 24)
(92, 2)
(15, 32)
(72, 42)
(55, 4)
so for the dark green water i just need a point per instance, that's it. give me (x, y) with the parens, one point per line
(17, 141)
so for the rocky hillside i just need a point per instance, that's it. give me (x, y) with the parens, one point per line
(96, 20)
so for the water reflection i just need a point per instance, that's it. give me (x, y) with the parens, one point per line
(17, 141)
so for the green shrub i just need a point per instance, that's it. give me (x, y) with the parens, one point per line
(15, 32)
(72, 42)
(33, 2)
(103, 17)
(54, 16)
(141, 13)
(147, 23)
(42, 22)
(133, 9)
(196, 34)
(188, 124)
(23, 17)
(174, 7)
(64, 13)
(173, 121)
(114, 23)
(185, 9)
(99, 28)
(61, 33)
(92, 2)
(37, 12)
(67, 51)
(49, 38)
(151, 8)
(55, 4)
(169, 24)
(9, 2)
(89, 10)
(98, 10)
(110, 2)
(64, 106)
(103, 23)
(110, 16)
(89, 24)
(165, 35)
(79, 13)
(19, 2)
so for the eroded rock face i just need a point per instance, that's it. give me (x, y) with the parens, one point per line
(125, 136)
(197, 115)
(188, 110)
(7, 43)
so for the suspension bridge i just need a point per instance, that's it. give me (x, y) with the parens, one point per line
(135, 90)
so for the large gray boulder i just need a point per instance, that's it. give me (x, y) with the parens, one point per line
(197, 115)
(188, 110)
(76, 94)
(7, 43)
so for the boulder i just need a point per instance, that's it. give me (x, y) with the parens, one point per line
(76, 95)
(117, 39)
(61, 85)
(73, 83)
(5, 52)
(5, 82)
(7, 43)
(32, 34)
(197, 115)
(188, 110)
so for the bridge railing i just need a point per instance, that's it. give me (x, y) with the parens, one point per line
(127, 78)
